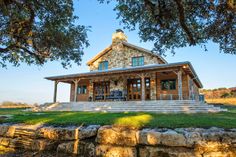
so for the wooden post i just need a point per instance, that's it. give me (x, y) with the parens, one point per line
(180, 92)
(143, 87)
(76, 89)
(55, 91)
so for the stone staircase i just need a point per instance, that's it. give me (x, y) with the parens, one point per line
(163, 106)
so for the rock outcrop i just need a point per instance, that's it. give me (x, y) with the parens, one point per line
(115, 141)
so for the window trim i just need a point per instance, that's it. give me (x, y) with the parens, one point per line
(102, 63)
(137, 62)
(82, 89)
(168, 80)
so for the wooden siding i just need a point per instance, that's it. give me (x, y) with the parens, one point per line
(80, 97)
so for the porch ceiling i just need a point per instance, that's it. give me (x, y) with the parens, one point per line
(186, 66)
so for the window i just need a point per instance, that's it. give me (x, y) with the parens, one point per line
(168, 84)
(103, 65)
(138, 61)
(82, 89)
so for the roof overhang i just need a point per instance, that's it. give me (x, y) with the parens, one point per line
(187, 66)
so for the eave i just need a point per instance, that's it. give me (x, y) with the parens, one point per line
(147, 68)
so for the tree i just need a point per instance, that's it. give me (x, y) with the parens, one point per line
(172, 24)
(36, 31)
(225, 95)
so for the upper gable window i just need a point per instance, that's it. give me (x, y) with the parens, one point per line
(138, 61)
(103, 65)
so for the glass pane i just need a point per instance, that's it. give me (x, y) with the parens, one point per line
(79, 90)
(105, 65)
(84, 89)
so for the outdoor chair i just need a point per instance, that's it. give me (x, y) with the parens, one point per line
(116, 95)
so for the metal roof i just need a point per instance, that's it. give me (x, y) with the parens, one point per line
(127, 70)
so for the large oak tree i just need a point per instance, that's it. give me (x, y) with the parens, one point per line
(36, 31)
(172, 24)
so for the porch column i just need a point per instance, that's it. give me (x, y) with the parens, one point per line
(143, 87)
(180, 90)
(55, 91)
(76, 91)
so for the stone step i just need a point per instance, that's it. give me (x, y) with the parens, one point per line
(156, 111)
(137, 106)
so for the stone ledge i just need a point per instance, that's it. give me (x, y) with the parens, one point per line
(94, 140)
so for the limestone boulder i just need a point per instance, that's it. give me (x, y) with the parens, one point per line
(192, 138)
(229, 137)
(115, 151)
(77, 147)
(148, 151)
(148, 137)
(121, 136)
(172, 138)
(4, 129)
(8, 142)
(89, 131)
(206, 146)
(7, 130)
(68, 133)
(39, 145)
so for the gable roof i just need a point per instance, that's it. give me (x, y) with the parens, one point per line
(107, 49)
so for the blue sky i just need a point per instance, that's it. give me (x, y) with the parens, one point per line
(27, 83)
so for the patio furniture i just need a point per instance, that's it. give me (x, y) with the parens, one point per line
(116, 95)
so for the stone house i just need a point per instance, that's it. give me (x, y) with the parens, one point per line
(124, 71)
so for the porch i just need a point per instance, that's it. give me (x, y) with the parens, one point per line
(134, 84)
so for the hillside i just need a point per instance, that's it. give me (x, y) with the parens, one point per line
(219, 93)
(8, 104)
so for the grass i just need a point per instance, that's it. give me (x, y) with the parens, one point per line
(226, 101)
(205, 120)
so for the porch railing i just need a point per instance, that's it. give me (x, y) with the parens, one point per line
(176, 97)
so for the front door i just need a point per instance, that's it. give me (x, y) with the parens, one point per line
(135, 89)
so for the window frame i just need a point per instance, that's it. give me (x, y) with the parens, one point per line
(139, 61)
(103, 65)
(82, 89)
(168, 81)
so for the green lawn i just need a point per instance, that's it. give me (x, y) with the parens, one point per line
(222, 119)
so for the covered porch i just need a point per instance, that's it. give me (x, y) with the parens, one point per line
(153, 82)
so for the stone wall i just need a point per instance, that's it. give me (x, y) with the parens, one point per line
(114, 141)
(120, 56)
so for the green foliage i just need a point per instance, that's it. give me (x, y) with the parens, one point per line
(38, 31)
(225, 95)
(172, 24)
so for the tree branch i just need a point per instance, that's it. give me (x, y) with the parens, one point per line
(180, 8)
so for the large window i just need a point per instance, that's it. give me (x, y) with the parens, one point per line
(168, 84)
(138, 61)
(103, 65)
(82, 89)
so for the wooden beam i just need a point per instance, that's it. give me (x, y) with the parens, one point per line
(180, 89)
(55, 91)
(76, 89)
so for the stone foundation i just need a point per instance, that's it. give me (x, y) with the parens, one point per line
(114, 141)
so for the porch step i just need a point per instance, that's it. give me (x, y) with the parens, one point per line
(174, 106)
